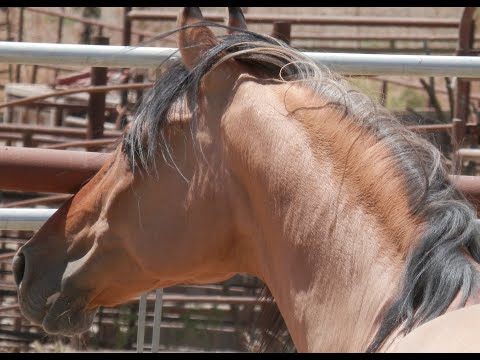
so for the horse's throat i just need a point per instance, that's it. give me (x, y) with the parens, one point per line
(330, 290)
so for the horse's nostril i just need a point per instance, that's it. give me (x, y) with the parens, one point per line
(18, 266)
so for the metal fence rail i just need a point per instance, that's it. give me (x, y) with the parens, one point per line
(24, 219)
(31, 219)
(152, 57)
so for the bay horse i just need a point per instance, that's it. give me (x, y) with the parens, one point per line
(246, 157)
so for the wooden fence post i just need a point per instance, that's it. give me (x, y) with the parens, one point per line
(126, 41)
(282, 31)
(19, 39)
(465, 44)
(59, 37)
(97, 101)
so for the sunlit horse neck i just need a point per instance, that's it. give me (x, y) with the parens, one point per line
(320, 189)
(246, 157)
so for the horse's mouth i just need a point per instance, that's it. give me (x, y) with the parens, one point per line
(67, 315)
(61, 314)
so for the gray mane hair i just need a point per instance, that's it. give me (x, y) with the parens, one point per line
(436, 270)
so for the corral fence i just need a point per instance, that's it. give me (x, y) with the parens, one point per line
(281, 25)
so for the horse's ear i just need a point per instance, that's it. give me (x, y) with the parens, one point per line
(195, 41)
(236, 19)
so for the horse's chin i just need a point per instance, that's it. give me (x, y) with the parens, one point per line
(75, 323)
(67, 315)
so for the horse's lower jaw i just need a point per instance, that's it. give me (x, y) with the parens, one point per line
(68, 317)
(69, 323)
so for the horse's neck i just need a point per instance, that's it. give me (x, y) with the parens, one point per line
(321, 257)
(330, 285)
(330, 290)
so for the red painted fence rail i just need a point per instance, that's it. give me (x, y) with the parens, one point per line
(63, 171)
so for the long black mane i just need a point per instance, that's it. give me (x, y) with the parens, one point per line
(435, 271)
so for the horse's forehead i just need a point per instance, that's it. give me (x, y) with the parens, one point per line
(250, 91)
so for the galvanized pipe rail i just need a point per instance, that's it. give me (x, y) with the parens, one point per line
(24, 219)
(31, 219)
(152, 57)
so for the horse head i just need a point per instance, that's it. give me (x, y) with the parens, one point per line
(139, 226)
